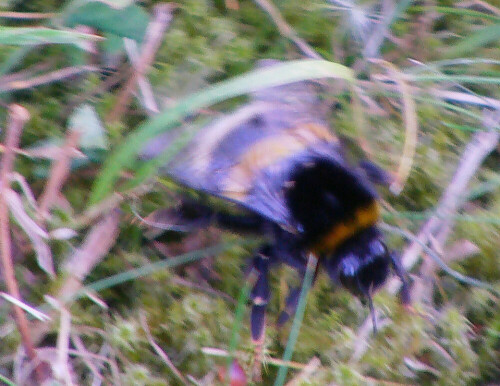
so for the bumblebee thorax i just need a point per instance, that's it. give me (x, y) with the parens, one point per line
(330, 202)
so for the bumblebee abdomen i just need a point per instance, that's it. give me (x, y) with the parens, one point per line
(330, 202)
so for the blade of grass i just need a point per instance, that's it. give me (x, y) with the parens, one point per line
(454, 12)
(14, 59)
(29, 36)
(454, 78)
(435, 102)
(149, 168)
(148, 269)
(284, 73)
(416, 216)
(411, 125)
(461, 127)
(476, 40)
(238, 320)
(7, 381)
(372, 47)
(268, 360)
(297, 320)
(450, 62)
(434, 256)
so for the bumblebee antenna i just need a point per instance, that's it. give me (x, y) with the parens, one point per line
(368, 294)
(372, 312)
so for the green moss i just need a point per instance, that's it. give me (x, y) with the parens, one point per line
(453, 338)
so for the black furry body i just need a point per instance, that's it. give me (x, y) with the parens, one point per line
(278, 161)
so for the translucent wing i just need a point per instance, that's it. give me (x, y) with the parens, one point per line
(247, 156)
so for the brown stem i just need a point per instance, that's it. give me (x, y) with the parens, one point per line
(18, 115)
(153, 39)
(50, 77)
(59, 173)
(286, 30)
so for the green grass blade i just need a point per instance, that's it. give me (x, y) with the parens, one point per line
(7, 381)
(14, 59)
(479, 39)
(148, 269)
(283, 73)
(471, 79)
(297, 320)
(29, 36)
(449, 62)
(455, 11)
(238, 320)
(150, 168)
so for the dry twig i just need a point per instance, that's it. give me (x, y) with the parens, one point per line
(96, 245)
(411, 125)
(286, 30)
(61, 366)
(152, 41)
(53, 76)
(87, 357)
(147, 98)
(481, 144)
(306, 372)
(18, 116)
(27, 15)
(58, 174)
(162, 354)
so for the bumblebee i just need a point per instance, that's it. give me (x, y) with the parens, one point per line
(278, 161)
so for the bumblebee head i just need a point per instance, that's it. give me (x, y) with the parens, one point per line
(362, 264)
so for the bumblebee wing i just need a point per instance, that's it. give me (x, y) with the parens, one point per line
(245, 157)
(249, 163)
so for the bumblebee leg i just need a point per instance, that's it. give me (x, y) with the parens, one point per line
(288, 250)
(290, 306)
(260, 293)
(292, 300)
(192, 214)
(260, 296)
(240, 223)
(401, 273)
(375, 173)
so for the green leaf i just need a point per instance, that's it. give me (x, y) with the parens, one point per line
(284, 73)
(130, 22)
(479, 39)
(86, 121)
(29, 36)
(117, 4)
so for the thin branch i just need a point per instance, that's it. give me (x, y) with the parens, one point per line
(61, 367)
(27, 72)
(27, 15)
(147, 97)
(411, 125)
(18, 116)
(267, 360)
(96, 245)
(58, 174)
(480, 146)
(285, 29)
(152, 42)
(306, 372)
(86, 357)
(162, 354)
(50, 77)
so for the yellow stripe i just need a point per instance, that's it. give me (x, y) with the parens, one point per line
(363, 218)
(207, 141)
(269, 151)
